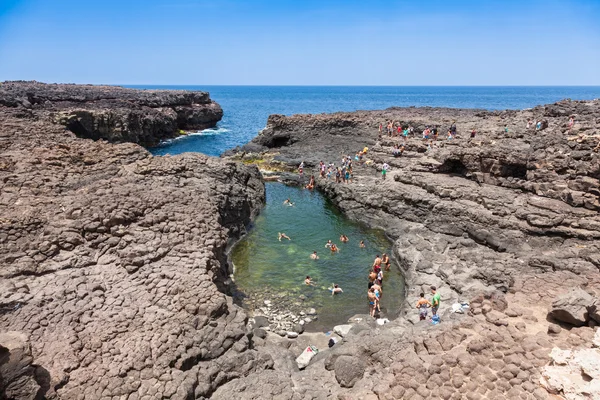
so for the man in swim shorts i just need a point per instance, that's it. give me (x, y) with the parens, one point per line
(314, 255)
(422, 305)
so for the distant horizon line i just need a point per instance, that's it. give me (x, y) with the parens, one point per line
(258, 85)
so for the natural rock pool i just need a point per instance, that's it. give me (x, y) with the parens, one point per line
(267, 269)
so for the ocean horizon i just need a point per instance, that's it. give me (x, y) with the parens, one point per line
(247, 108)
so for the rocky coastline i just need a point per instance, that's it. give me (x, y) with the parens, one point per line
(113, 262)
(113, 113)
(115, 273)
(507, 220)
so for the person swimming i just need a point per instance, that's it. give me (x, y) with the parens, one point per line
(328, 244)
(288, 202)
(336, 289)
(308, 281)
(361, 244)
(314, 255)
(334, 248)
(281, 235)
(344, 238)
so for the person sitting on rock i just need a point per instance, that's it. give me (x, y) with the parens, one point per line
(336, 289)
(314, 255)
(422, 305)
(282, 236)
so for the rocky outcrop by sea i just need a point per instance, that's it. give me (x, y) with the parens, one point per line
(113, 113)
(113, 262)
(507, 221)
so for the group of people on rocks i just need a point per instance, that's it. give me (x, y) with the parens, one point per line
(341, 174)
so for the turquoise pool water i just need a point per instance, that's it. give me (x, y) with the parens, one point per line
(266, 267)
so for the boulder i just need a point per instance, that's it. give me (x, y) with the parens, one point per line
(348, 370)
(261, 333)
(342, 330)
(292, 335)
(260, 321)
(572, 307)
(17, 374)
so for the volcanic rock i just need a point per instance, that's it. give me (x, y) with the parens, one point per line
(572, 307)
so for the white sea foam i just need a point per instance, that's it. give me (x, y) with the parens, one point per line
(208, 132)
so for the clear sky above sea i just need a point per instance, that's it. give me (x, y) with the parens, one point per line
(303, 42)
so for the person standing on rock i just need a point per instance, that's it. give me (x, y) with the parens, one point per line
(301, 168)
(372, 301)
(384, 169)
(422, 305)
(473, 133)
(435, 300)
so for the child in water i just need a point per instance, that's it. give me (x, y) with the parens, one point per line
(336, 289)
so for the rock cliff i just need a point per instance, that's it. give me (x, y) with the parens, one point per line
(114, 113)
(508, 220)
(112, 261)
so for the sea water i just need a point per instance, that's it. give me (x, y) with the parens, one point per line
(246, 108)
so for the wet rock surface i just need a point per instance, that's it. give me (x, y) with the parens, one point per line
(507, 220)
(113, 263)
(114, 113)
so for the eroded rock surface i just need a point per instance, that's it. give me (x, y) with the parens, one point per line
(114, 113)
(112, 260)
(507, 220)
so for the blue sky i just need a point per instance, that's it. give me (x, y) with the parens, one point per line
(303, 42)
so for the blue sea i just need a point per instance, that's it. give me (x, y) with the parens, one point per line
(246, 108)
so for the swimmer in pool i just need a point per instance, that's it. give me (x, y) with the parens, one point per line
(336, 289)
(344, 238)
(334, 248)
(288, 202)
(282, 236)
(361, 244)
(314, 255)
(328, 244)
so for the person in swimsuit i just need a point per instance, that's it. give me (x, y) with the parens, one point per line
(379, 279)
(386, 262)
(378, 292)
(282, 236)
(422, 305)
(334, 248)
(336, 289)
(372, 297)
(377, 264)
(314, 256)
(288, 202)
(372, 277)
(308, 281)
(328, 244)
(301, 168)
(361, 244)
(344, 238)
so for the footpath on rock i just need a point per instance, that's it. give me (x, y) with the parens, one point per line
(507, 220)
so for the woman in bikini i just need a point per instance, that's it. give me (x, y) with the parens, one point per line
(372, 301)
